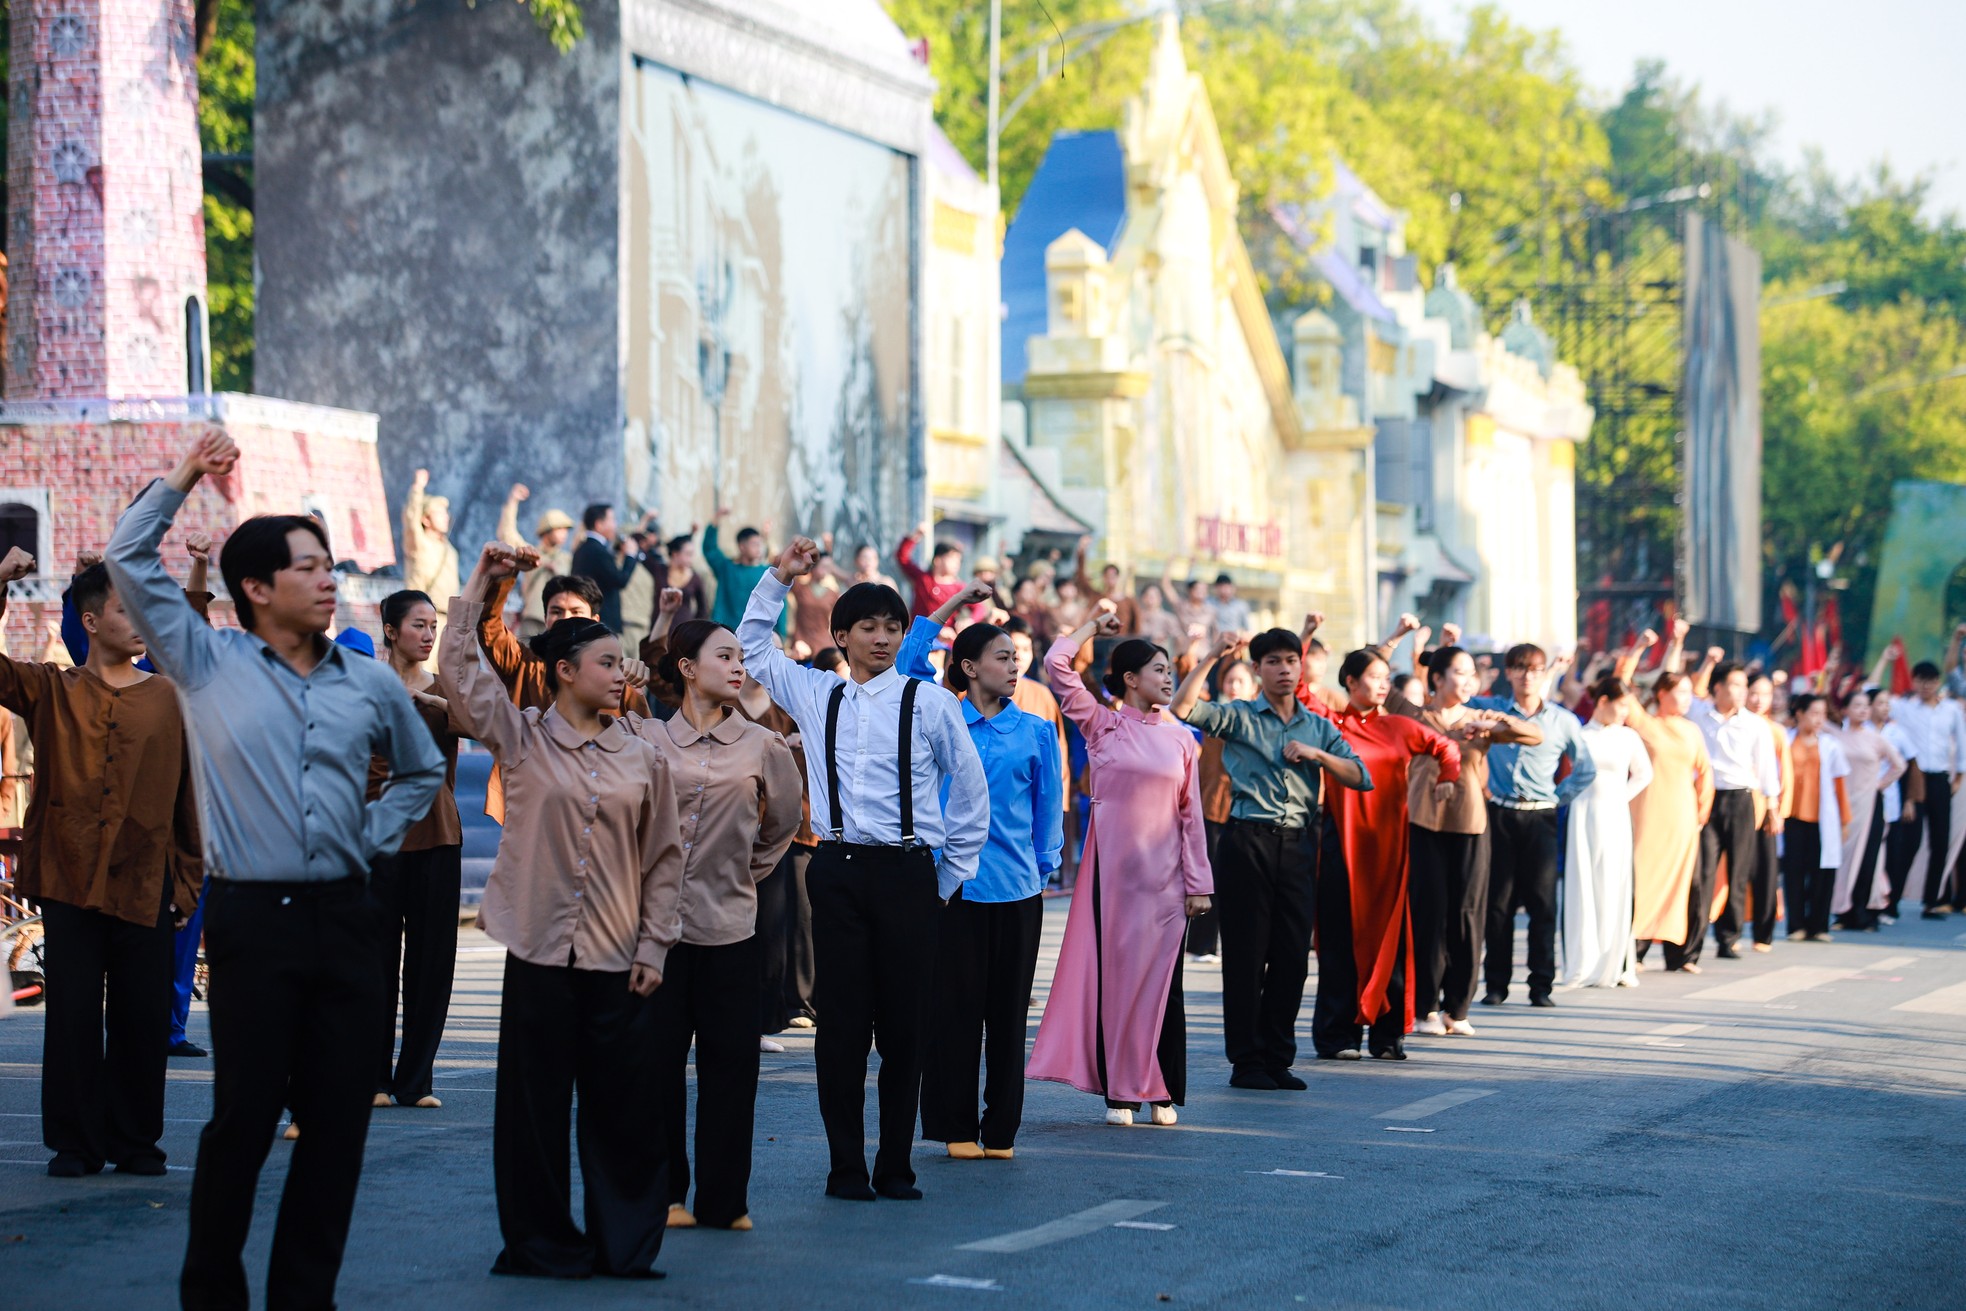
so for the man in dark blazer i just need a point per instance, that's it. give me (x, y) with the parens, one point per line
(606, 560)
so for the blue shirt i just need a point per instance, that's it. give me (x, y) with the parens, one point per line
(1027, 796)
(1519, 773)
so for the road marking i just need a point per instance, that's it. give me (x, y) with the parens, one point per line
(1434, 1105)
(1089, 1221)
(1945, 1001)
(959, 1281)
(1893, 963)
(1142, 1224)
(1775, 983)
(1404, 1128)
(1297, 1174)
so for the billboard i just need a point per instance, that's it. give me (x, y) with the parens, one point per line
(1722, 391)
(770, 298)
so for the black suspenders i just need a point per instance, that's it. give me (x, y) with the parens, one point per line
(903, 760)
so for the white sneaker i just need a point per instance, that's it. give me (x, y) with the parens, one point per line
(802, 1021)
(1164, 1115)
(767, 1045)
(1122, 1118)
(1461, 1028)
(1206, 958)
(1431, 1025)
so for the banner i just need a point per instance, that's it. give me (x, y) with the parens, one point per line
(1722, 489)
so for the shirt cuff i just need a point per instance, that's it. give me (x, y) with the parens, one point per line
(653, 954)
(947, 880)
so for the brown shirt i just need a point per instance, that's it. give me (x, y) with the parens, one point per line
(1034, 698)
(737, 801)
(590, 866)
(441, 827)
(1217, 793)
(112, 814)
(1466, 811)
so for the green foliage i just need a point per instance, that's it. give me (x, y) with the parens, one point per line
(560, 20)
(225, 127)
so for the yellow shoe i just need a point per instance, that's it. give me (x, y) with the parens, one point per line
(679, 1217)
(381, 1099)
(999, 1153)
(742, 1224)
(429, 1103)
(293, 1131)
(966, 1151)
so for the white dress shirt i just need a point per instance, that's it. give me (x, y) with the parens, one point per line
(1894, 733)
(868, 740)
(1937, 731)
(1741, 749)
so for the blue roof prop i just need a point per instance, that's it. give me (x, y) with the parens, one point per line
(1081, 183)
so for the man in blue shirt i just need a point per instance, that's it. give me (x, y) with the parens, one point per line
(1523, 797)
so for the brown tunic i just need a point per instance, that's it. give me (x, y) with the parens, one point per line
(441, 827)
(112, 814)
(1467, 810)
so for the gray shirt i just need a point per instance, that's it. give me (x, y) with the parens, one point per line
(281, 761)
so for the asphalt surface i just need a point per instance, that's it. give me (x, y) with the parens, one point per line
(1784, 1131)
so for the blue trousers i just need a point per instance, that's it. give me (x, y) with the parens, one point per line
(184, 970)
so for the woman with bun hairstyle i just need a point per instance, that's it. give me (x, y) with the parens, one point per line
(1667, 901)
(1364, 931)
(1597, 869)
(418, 884)
(737, 801)
(583, 895)
(1114, 1024)
(987, 951)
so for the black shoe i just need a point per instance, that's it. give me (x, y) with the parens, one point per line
(1726, 952)
(1287, 1081)
(188, 1049)
(1932, 915)
(72, 1165)
(149, 1166)
(1493, 998)
(1254, 1080)
(1542, 999)
(896, 1191)
(850, 1190)
(1390, 1054)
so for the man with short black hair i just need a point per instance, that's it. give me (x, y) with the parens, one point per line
(1266, 864)
(879, 748)
(605, 557)
(738, 577)
(1745, 766)
(1231, 611)
(1938, 731)
(937, 583)
(111, 852)
(285, 724)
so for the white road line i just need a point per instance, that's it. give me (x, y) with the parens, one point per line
(1668, 1031)
(1893, 963)
(1775, 983)
(1434, 1105)
(1945, 1001)
(1079, 1223)
(1142, 1224)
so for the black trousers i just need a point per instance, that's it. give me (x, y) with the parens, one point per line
(1521, 872)
(562, 1029)
(1732, 833)
(1264, 881)
(1860, 915)
(1205, 929)
(294, 999)
(875, 911)
(1807, 884)
(418, 891)
(1900, 850)
(1335, 1018)
(1448, 893)
(103, 1053)
(985, 959)
(710, 995)
(785, 942)
(1938, 834)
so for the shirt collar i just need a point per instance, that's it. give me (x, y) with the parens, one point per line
(876, 686)
(1137, 716)
(325, 652)
(726, 730)
(612, 737)
(1003, 721)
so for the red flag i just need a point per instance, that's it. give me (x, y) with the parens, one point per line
(1900, 668)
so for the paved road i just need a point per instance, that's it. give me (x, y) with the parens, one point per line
(1786, 1131)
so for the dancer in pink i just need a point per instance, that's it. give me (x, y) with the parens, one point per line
(1145, 871)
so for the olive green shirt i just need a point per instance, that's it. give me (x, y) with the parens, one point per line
(1263, 785)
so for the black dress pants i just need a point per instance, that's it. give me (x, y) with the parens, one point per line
(418, 891)
(1860, 916)
(1522, 848)
(875, 911)
(103, 1053)
(1900, 850)
(1448, 894)
(1205, 929)
(1335, 1020)
(1938, 835)
(1732, 834)
(1264, 879)
(562, 1029)
(710, 995)
(1807, 884)
(294, 997)
(785, 942)
(986, 957)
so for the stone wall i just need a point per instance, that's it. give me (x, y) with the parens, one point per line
(437, 239)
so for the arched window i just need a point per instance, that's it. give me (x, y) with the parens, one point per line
(22, 520)
(197, 348)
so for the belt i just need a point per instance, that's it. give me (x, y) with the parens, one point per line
(1517, 803)
(840, 844)
(288, 888)
(1288, 830)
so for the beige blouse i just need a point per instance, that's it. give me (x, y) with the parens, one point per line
(590, 866)
(1467, 810)
(738, 793)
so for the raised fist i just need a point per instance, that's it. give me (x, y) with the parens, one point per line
(520, 491)
(18, 564)
(798, 559)
(670, 601)
(198, 546)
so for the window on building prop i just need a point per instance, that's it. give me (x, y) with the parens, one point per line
(21, 524)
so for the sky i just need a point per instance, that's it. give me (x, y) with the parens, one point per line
(1862, 82)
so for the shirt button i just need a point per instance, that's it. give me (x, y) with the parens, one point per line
(588, 829)
(576, 896)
